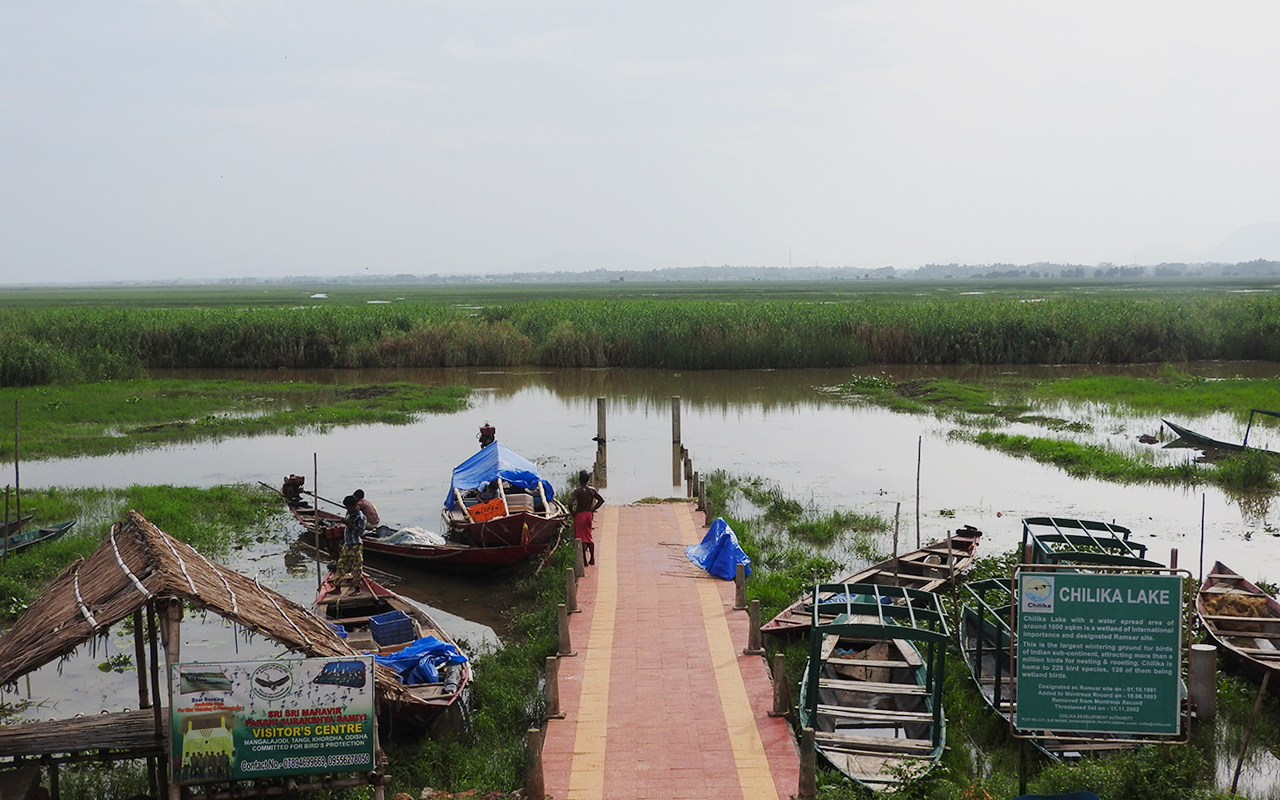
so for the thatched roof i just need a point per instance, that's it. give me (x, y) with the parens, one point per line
(138, 563)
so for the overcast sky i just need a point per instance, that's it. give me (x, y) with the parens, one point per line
(181, 138)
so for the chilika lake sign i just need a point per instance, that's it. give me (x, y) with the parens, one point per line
(1099, 653)
(259, 719)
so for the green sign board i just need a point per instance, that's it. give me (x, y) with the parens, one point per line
(1099, 653)
(245, 720)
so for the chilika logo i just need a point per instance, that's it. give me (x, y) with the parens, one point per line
(1037, 593)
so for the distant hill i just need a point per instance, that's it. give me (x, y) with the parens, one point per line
(1261, 241)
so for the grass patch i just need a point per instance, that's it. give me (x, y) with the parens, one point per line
(120, 416)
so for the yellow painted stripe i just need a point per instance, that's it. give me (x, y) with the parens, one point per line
(748, 750)
(586, 775)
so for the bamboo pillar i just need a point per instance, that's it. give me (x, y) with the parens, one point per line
(140, 656)
(675, 441)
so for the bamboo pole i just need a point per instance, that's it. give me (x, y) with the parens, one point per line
(919, 460)
(675, 440)
(602, 454)
(1248, 731)
(315, 513)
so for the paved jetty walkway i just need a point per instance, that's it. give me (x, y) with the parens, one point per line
(659, 701)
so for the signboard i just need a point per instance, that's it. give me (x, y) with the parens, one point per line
(258, 719)
(1099, 653)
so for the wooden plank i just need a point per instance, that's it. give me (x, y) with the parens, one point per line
(845, 661)
(875, 714)
(873, 687)
(1247, 634)
(840, 741)
(909, 653)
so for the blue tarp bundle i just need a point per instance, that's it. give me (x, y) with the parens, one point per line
(719, 552)
(421, 661)
(493, 462)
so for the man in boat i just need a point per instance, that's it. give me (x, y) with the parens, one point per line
(584, 502)
(366, 508)
(350, 569)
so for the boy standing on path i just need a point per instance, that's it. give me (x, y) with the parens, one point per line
(584, 502)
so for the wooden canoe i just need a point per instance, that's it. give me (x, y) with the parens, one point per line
(928, 569)
(352, 611)
(1241, 619)
(450, 557)
(989, 651)
(1082, 542)
(24, 539)
(872, 688)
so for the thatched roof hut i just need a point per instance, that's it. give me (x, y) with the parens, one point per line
(138, 564)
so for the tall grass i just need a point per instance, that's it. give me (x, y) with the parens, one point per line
(80, 343)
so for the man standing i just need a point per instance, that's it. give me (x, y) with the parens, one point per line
(584, 502)
(351, 562)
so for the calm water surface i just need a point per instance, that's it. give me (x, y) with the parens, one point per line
(781, 425)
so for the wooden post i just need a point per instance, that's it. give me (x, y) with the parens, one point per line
(808, 788)
(1248, 731)
(566, 647)
(781, 691)
(571, 590)
(1202, 680)
(675, 441)
(1173, 558)
(171, 636)
(897, 511)
(534, 786)
(553, 688)
(702, 495)
(739, 587)
(140, 656)
(753, 631)
(693, 485)
(919, 460)
(602, 456)
(315, 515)
(579, 560)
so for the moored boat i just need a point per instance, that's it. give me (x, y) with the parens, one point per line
(15, 525)
(400, 635)
(1242, 619)
(928, 569)
(24, 539)
(498, 498)
(990, 652)
(872, 688)
(1207, 444)
(427, 552)
(1082, 542)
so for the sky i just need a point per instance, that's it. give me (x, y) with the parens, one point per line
(158, 139)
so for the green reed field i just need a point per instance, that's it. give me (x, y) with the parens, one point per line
(65, 335)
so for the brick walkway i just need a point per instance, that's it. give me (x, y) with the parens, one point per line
(659, 701)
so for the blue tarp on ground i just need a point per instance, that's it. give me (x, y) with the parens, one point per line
(421, 661)
(719, 552)
(493, 462)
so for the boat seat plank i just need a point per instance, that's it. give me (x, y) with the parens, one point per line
(865, 662)
(879, 715)
(1236, 618)
(1266, 654)
(873, 687)
(1248, 634)
(849, 742)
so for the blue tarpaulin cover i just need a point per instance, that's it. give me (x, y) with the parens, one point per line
(719, 552)
(493, 462)
(421, 661)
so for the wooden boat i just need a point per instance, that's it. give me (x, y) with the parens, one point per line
(988, 648)
(497, 498)
(1242, 619)
(24, 539)
(1189, 438)
(453, 557)
(872, 689)
(928, 569)
(15, 525)
(1063, 540)
(367, 622)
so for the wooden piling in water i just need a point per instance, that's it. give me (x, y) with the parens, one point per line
(675, 441)
(601, 469)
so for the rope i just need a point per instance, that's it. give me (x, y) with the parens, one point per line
(217, 570)
(182, 565)
(305, 639)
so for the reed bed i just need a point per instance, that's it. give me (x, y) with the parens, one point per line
(91, 343)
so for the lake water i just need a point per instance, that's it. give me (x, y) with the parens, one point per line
(783, 426)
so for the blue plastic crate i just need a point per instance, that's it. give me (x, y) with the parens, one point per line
(391, 628)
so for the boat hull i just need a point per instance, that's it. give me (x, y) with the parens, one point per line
(424, 702)
(928, 569)
(519, 529)
(1229, 604)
